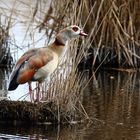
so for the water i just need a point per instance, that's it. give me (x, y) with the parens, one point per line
(114, 98)
(112, 101)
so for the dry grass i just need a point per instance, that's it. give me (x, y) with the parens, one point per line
(66, 87)
(112, 26)
(114, 32)
(113, 40)
(5, 56)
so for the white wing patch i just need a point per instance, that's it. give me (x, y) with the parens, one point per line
(49, 68)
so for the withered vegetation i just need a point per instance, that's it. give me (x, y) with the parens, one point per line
(5, 56)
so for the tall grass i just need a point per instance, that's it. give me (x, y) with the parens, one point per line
(113, 40)
(67, 84)
(114, 31)
(5, 56)
(113, 28)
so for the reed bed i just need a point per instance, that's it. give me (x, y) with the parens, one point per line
(66, 87)
(114, 32)
(67, 83)
(5, 55)
(113, 41)
(112, 26)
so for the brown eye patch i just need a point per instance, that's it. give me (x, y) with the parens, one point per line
(75, 29)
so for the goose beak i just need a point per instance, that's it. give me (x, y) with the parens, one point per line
(82, 33)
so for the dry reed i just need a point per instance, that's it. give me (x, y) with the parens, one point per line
(5, 56)
(114, 32)
(65, 88)
(113, 41)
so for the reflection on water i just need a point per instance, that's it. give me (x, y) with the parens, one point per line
(112, 102)
(114, 98)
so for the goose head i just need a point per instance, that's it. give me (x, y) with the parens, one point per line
(70, 32)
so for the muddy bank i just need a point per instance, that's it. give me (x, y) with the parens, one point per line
(18, 112)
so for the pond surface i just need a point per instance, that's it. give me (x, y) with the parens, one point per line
(112, 101)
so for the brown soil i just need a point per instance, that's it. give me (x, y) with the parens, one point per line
(26, 112)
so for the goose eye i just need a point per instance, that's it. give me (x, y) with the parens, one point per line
(75, 29)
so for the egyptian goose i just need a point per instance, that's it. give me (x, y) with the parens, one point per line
(36, 64)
